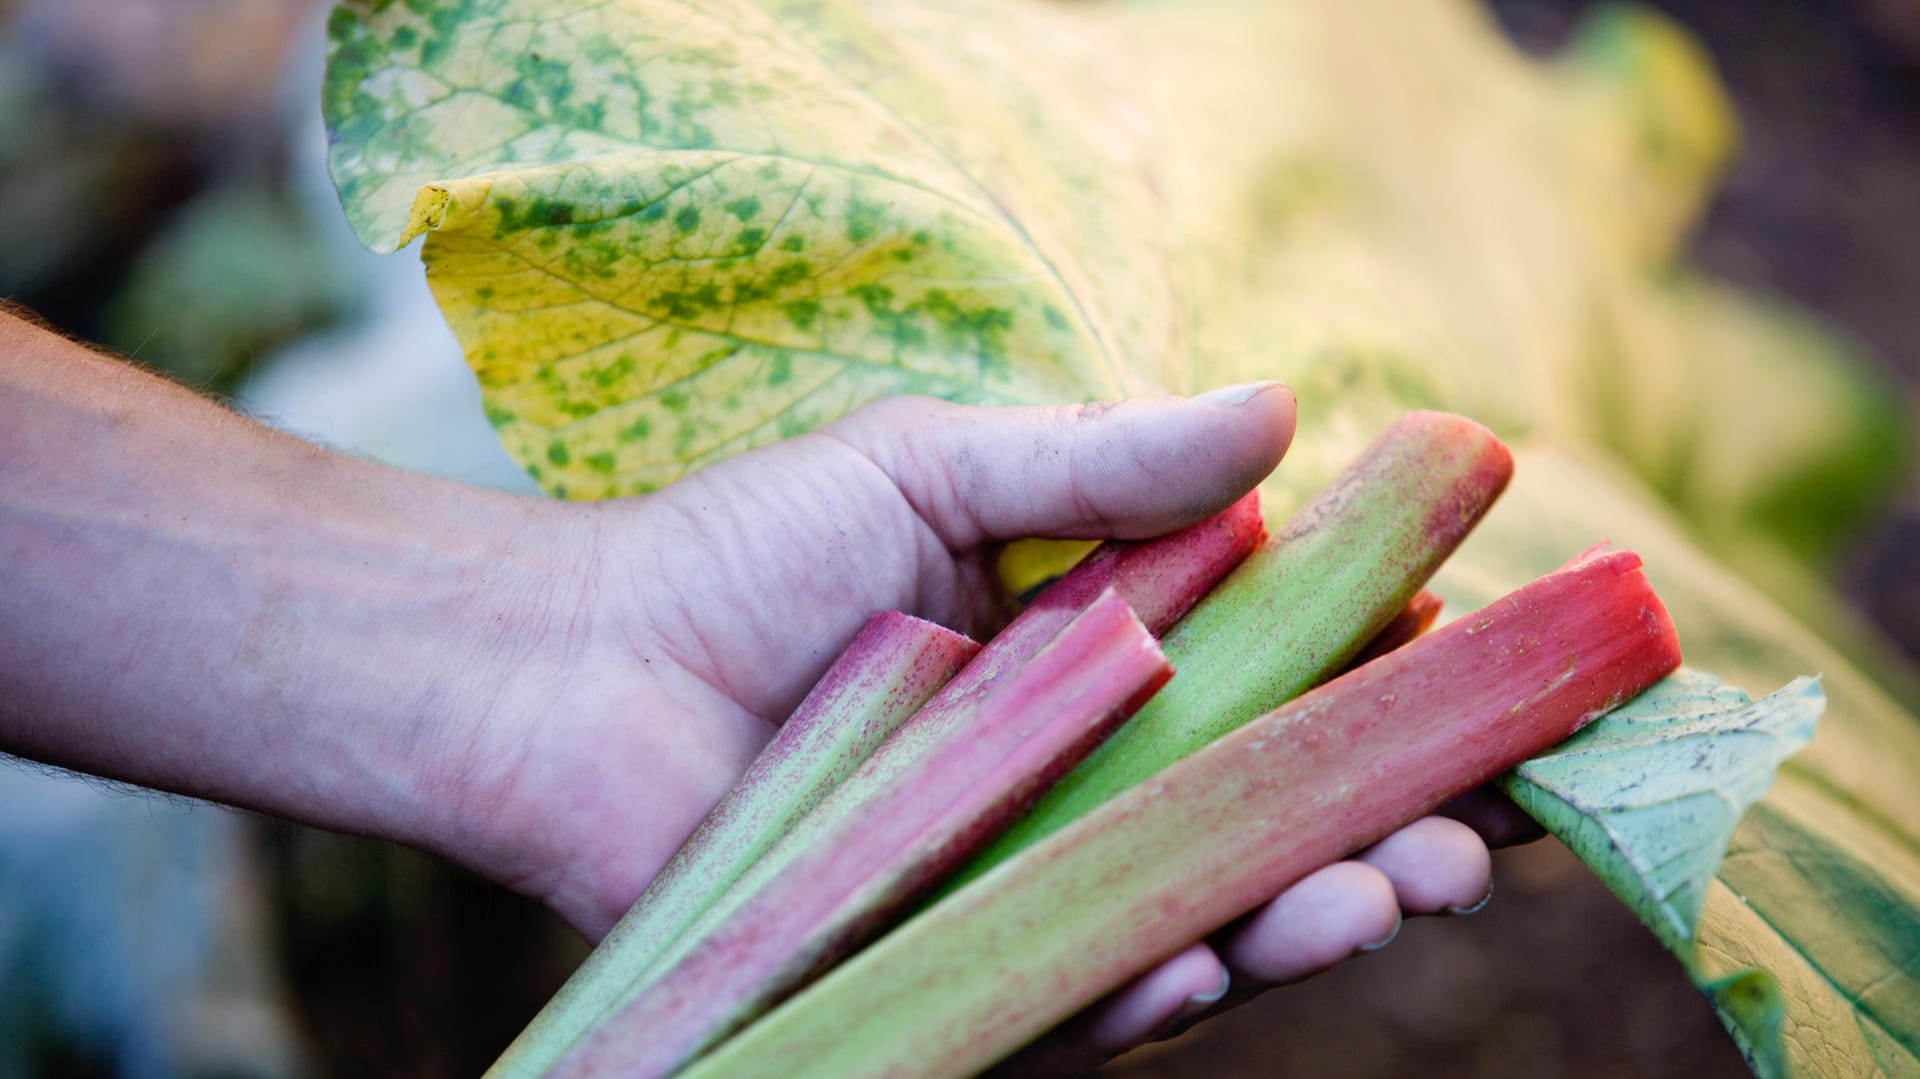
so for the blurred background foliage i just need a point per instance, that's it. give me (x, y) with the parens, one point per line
(162, 191)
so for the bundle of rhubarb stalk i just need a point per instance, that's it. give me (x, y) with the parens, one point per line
(949, 848)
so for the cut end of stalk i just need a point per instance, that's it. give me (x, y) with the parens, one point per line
(1161, 578)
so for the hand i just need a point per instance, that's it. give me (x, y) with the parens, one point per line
(553, 694)
(713, 606)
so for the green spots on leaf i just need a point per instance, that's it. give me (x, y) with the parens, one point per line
(901, 325)
(443, 23)
(637, 431)
(794, 243)
(687, 219)
(499, 417)
(744, 209)
(685, 128)
(686, 305)
(864, 219)
(938, 316)
(750, 240)
(790, 272)
(615, 373)
(802, 313)
(536, 212)
(544, 86)
(601, 463)
(602, 50)
(984, 327)
(558, 454)
(790, 425)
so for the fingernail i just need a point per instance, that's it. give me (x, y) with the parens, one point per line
(1386, 940)
(1236, 395)
(1195, 1007)
(1484, 900)
(1200, 1002)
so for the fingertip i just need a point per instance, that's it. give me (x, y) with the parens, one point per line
(1152, 1006)
(1261, 418)
(1435, 864)
(1326, 917)
(1160, 1000)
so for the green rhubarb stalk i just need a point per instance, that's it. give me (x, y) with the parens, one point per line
(893, 665)
(1297, 610)
(1048, 932)
(850, 884)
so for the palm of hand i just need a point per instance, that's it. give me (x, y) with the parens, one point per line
(712, 607)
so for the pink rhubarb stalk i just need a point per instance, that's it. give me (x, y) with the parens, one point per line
(1172, 859)
(847, 883)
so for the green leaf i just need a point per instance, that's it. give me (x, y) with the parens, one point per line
(667, 232)
(1649, 797)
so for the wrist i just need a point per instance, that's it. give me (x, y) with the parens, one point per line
(490, 611)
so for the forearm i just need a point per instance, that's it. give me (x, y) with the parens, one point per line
(196, 603)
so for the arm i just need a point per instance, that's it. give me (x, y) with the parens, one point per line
(196, 603)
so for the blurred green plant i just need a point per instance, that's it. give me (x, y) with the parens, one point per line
(240, 271)
(667, 232)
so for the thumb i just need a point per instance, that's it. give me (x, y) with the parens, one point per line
(1125, 470)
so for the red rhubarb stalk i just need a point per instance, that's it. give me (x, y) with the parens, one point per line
(847, 884)
(1166, 862)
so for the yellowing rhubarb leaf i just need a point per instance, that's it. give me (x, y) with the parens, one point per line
(666, 232)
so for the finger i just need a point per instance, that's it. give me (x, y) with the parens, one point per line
(1328, 916)
(1128, 470)
(1151, 1006)
(1490, 813)
(1435, 864)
